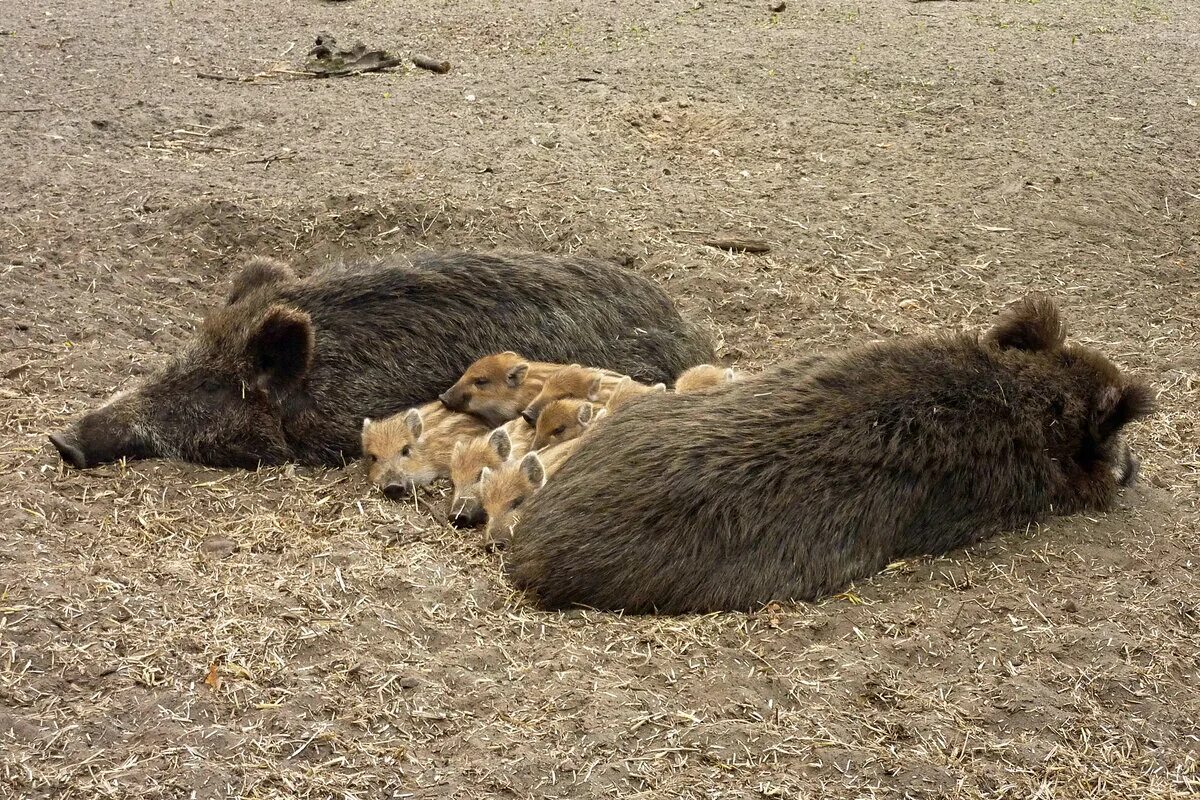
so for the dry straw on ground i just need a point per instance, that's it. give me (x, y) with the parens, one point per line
(173, 631)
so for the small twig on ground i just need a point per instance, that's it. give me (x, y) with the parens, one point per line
(212, 76)
(739, 245)
(20, 110)
(431, 64)
(282, 155)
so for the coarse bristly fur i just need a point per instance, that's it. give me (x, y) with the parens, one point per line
(789, 485)
(287, 368)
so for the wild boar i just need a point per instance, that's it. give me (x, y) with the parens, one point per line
(412, 449)
(497, 387)
(467, 461)
(627, 390)
(287, 368)
(504, 490)
(573, 381)
(789, 485)
(701, 377)
(564, 420)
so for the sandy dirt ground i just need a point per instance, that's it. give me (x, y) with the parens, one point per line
(173, 631)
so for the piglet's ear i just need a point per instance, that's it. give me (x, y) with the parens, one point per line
(501, 442)
(259, 271)
(414, 422)
(1117, 406)
(516, 375)
(280, 348)
(534, 470)
(1031, 324)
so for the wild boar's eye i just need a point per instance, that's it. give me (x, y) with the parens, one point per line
(210, 385)
(516, 503)
(405, 451)
(559, 431)
(481, 381)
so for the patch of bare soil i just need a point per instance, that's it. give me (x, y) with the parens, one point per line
(173, 631)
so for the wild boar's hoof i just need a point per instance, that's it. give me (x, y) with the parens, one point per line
(1125, 467)
(68, 448)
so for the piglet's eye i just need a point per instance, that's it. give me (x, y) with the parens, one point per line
(405, 451)
(482, 381)
(559, 431)
(516, 503)
(371, 459)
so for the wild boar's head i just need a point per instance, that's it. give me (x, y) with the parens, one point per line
(222, 402)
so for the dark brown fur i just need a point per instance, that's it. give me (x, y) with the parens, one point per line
(287, 368)
(794, 483)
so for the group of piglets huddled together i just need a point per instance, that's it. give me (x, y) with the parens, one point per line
(502, 431)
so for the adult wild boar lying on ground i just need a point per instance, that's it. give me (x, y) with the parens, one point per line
(792, 484)
(286, 369)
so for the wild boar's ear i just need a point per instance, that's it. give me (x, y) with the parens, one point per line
(414, 423)
(594, 389)
(1118, 406)
(1031, 324)
(501, 442)
(281, 348)
(533, 469)
(516, 375)
(366, 423)
(730, 375)
(259, 271)
(585, 413)
(658, 387)
(484, 474)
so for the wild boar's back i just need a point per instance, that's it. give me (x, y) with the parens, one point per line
(429, 322)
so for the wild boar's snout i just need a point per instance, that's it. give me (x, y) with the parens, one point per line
(397, 489)
(449, 399)
(530, 415)
(468, 513)
(98, 438)
(68, 448)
